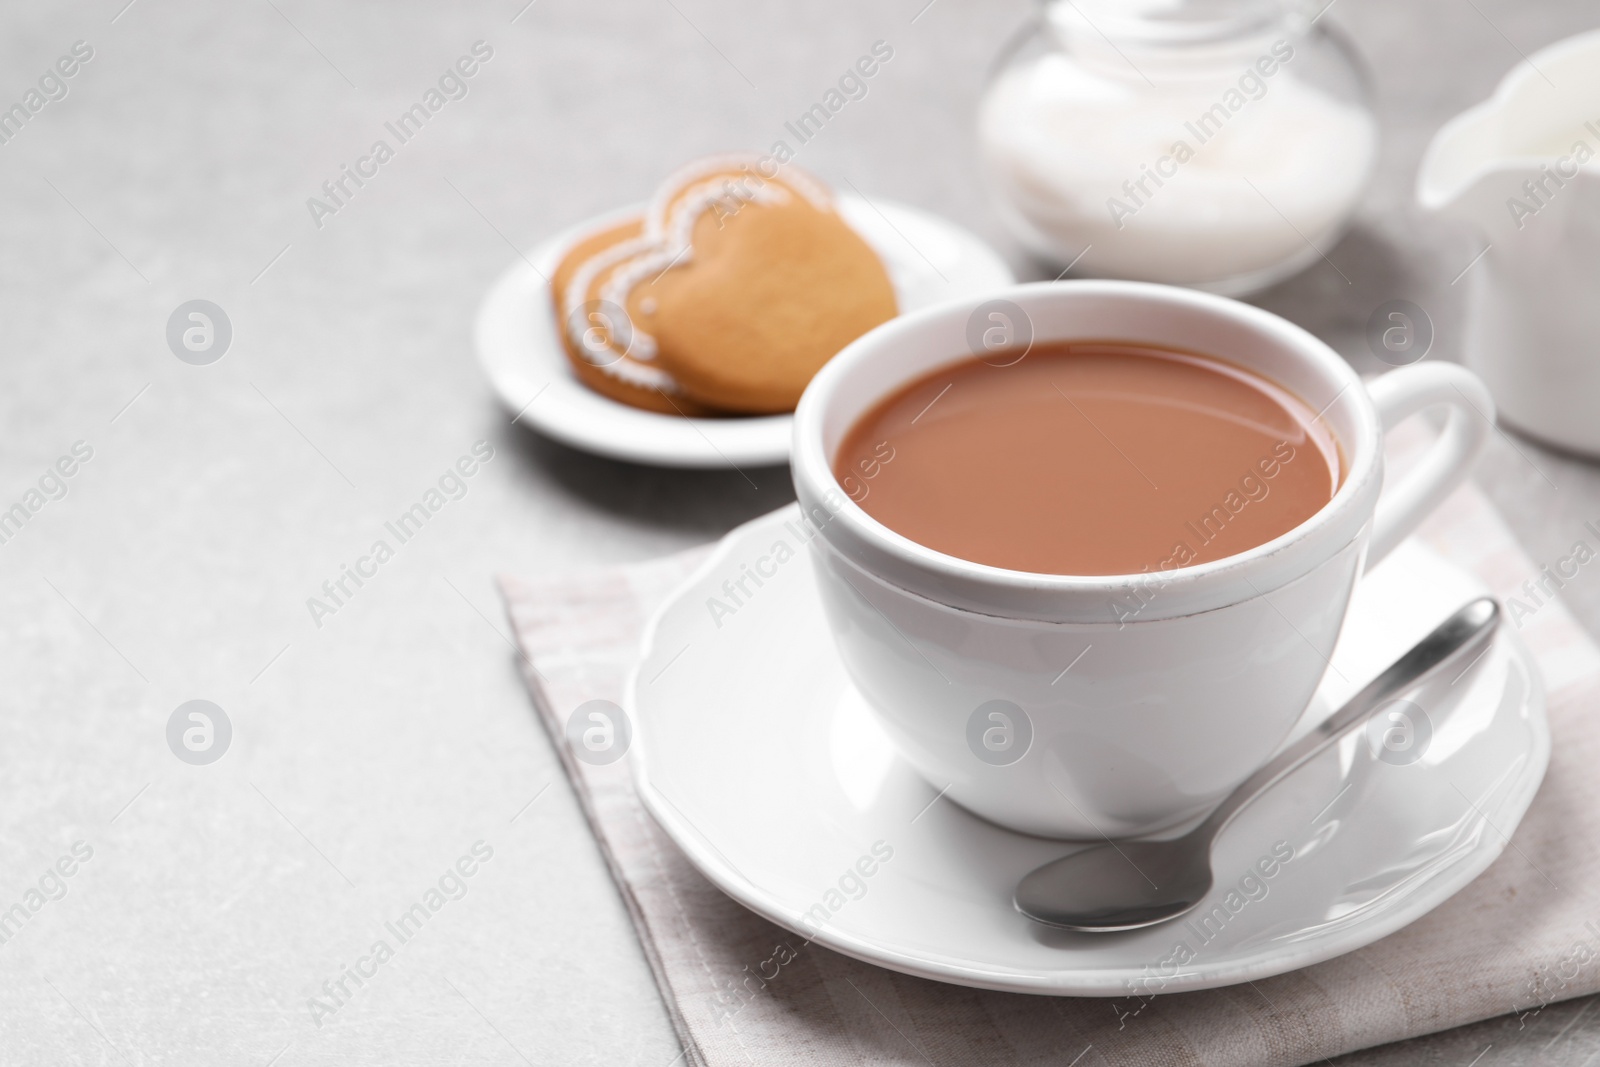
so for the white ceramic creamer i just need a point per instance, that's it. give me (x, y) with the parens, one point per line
(1523, 168)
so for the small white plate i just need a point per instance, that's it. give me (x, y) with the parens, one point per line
(519, 344)
(755, 753)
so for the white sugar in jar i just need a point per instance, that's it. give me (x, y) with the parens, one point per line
(1221, 144)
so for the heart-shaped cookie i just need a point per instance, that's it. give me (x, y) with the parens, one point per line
(758, 281)
(730, 292)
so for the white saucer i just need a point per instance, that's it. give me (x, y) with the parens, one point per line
(757, 756)
(929, 261)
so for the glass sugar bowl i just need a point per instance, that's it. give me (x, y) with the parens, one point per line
(1220, 144)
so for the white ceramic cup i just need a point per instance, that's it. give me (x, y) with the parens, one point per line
(1078, 707)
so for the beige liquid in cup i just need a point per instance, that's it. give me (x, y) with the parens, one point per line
(1090, 458)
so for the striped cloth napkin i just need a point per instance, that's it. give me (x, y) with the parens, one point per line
(1525, 934)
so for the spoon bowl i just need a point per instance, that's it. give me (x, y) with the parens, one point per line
(1118, 885)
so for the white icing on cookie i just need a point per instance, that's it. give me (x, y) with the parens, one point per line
(738, 169)
(621, 365)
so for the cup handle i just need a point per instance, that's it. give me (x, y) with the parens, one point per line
(1402, 393)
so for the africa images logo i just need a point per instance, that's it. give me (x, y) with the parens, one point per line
(199, 732)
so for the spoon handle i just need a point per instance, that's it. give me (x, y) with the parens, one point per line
(1462, 634)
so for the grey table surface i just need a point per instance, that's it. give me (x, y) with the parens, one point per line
(371, 751)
